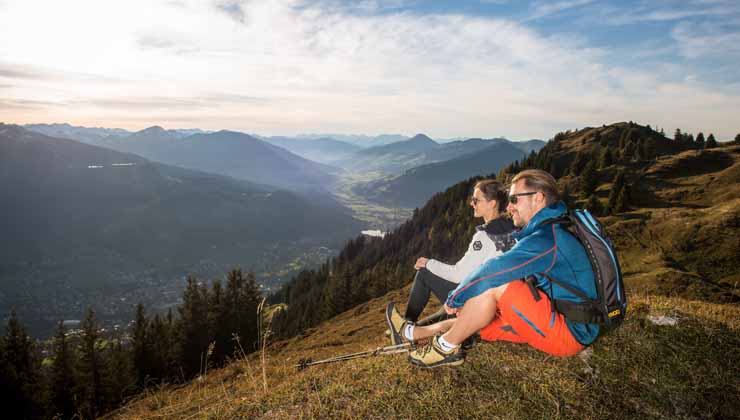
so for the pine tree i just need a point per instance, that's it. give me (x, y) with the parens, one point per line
(622, 203)
(159, 335)
(578, 162)
(737, 138)
(606, 158)
(567, 197)
(711, 142)
(141, 348)
(678, 136)
(616, 188)
(193, 335)
(700, 140)
(118, 378)
(62, 376)
(90, 368)
(218, 325)
(21, 389)
(589, 179)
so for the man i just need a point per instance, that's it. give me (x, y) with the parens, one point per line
(496, 302)
(493, 238)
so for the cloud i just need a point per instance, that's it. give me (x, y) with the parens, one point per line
(292, 66)
(233, 8)
(154, 41)
(707, 40)
(544, 9)
(25, 104)
(18, 71)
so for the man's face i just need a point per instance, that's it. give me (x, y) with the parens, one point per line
(526, 205)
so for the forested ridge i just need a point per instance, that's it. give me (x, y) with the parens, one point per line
(581, 161)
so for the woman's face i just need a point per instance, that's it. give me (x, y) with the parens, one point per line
(482, 207)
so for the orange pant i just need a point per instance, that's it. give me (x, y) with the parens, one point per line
(521, 319)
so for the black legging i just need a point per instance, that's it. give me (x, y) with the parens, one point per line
(425, 282)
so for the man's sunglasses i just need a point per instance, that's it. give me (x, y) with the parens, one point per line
(513, 197)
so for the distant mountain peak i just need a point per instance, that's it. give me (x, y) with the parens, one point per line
(153, 129)
(421, 138)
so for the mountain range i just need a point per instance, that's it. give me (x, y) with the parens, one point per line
(227, 153)
(323, 150)
(395, 158)
(82, 223)
(417, 185)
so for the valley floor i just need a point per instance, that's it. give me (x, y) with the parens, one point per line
(378, 216)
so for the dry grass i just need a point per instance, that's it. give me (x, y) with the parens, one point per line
(642, 370)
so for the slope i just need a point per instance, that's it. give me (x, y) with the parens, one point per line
(417, 185)
(83, 224)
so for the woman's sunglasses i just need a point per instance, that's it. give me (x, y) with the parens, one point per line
(513, 197)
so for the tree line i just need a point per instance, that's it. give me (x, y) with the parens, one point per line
(86, 373)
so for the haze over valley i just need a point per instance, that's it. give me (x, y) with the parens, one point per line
(109, 218)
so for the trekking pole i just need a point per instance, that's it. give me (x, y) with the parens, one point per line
(380, 351)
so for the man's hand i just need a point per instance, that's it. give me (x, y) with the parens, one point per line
(421, 263)
(451, 311)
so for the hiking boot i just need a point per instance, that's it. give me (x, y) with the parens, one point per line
(432, 355)
(396, 325)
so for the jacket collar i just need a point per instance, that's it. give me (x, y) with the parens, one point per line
(498, 226)
(550, 212)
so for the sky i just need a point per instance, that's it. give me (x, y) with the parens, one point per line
(466, 68)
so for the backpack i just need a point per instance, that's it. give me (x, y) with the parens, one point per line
(610, 306)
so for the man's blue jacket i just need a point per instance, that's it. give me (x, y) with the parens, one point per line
(541, 248)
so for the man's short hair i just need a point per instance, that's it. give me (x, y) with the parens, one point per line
(539, 180)
(494, 190)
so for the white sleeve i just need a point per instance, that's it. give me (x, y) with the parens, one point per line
(478, 251)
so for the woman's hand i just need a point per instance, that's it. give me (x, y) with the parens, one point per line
(421, 263)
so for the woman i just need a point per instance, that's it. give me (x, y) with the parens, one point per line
(491, 239)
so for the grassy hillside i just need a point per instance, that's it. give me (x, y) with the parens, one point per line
(678, 241)
(643, 370)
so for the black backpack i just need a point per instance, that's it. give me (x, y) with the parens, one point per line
(610, 306)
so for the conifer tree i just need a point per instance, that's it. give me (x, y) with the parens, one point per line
(737, 138)
(629, 151)
(218, 325)
(678, 136)
(159, 334)
(193, 335)
(21, 388)
(141, 348)
(567, 197)
(711, 142)
(606, 158)
(118, 376)
(589, 179)
(700, 140)
(622, 203)
(63, 381)
(616, 188)
(90, 368)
